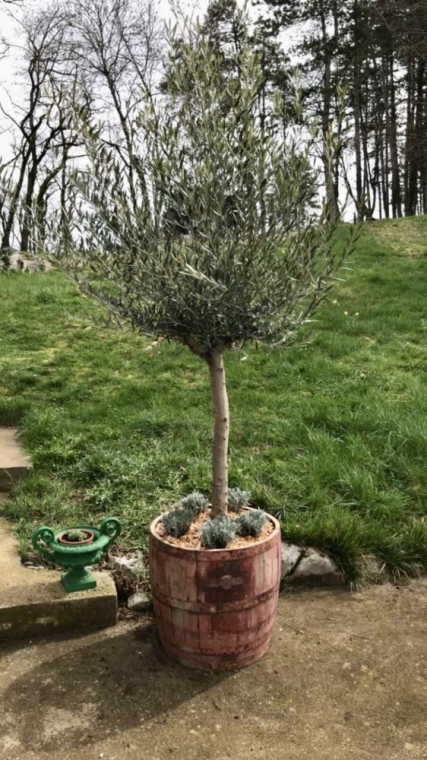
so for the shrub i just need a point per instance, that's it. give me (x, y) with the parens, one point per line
(238, 499)
(195, 502)
(177, 522)
(217, 533)
(250, 523)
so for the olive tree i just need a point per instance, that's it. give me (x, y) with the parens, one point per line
(254, 259)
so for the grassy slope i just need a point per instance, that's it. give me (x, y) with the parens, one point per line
(333, 436)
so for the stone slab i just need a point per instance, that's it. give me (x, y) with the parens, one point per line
(14, 462)
(43, 607)
(34, 603)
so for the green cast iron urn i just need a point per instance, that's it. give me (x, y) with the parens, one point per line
(75, 549)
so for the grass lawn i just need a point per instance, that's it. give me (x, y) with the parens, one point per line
(332, 437)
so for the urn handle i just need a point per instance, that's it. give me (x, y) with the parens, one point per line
(111, 527)
(46, 535)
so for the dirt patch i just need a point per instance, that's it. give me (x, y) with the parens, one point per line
(191, 540)
(345, 679)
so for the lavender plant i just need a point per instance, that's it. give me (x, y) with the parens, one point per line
(217, 533)
(238, 499)
(250, 523)
(177, 522)
(195, 502)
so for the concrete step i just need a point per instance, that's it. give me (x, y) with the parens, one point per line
(33, 602)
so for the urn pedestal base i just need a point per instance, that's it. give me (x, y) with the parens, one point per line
(78, 579)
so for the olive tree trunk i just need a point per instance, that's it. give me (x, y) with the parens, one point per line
(221, 432)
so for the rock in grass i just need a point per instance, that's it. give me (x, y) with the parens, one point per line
(19, 263)
(311, 566)
(290, 556)
(128, 566)
(139, 602)
(317, 568)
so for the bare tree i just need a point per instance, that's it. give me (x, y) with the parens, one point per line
(42, 117)
(95, 56)
(7, 198)
(117, 46)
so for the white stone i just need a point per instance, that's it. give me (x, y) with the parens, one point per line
(29, 566)
(317, 566)
(130, 566)
(18, 263)
(290, 556)
(139, 602)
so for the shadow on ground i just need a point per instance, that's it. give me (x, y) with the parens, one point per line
(345, 679)
(108, 686)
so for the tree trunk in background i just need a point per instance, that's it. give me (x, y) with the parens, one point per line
(412, 190)
(221, 433)
(384, 173)
(331, 194)
(368, 203)
(10, 220)
(41, 207)
(329, 169)
(423, 146)
(424, 159)
(386, 92)
(63, 200)
(420, 136)
(357, 112)
(28, 210)
(377, 128)
(396, 198)
(409, 134)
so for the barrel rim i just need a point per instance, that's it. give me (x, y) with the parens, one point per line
(217, 553)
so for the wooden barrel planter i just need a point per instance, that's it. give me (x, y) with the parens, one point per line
(215, 609)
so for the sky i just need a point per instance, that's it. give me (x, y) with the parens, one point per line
(9, 31)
